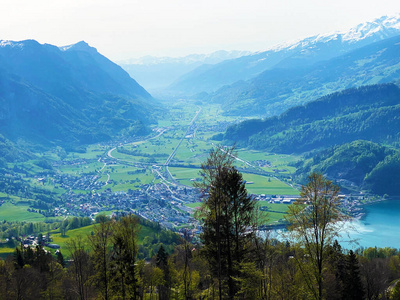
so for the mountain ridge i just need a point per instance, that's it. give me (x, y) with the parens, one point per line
(273, 91)
(368, 112)
(71, 96)
(299, 53)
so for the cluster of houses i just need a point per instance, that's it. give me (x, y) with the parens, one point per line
(33, 240)
(84, 182)
(157, 203)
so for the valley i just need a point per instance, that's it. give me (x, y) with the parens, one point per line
(152, 177)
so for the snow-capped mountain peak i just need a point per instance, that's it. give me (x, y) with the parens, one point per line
(378, 29)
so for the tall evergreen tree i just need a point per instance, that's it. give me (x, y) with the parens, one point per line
(228, 219)
(101, 242)
(123, 259)
(353, 287)
(162, 263)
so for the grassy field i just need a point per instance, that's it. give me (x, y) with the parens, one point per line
(122, 178)
(193, 205)
(82, 168)
(92, 152)
(6, 251)
(83, 232)
(183, 175)
(276, 162)
(257, 184)
(10, 212)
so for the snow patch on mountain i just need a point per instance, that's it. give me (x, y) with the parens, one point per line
(7, 43)
(378, 29)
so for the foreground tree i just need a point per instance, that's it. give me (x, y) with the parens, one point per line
(228, 216)
(80, 268)
(123, 257)
(100, 242)
(313, 219)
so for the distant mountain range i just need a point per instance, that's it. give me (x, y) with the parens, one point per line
(303, 53)
(67, 96)
(368, 113)
(156, 73)
(274, 91)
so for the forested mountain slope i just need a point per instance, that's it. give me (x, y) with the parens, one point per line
(359, 164)
(274, 91)
(67, 96)
(370, 113)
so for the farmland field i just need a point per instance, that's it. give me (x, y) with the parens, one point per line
(17, 213)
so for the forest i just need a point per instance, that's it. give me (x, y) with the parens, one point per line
(365, 164)
(368, 113)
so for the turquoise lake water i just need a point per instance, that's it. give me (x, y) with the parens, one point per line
(380, 227)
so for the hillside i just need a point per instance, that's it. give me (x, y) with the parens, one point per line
(298, 54)
(274, 91)
(369, 113)
(359, 164)
(67, 96)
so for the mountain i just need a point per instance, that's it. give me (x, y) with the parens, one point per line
(295, 54)
(368, 113)
(274, 91)
(67, 96)
(157, 73)
(359, 164)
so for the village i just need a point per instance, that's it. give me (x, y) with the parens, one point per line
(161, 203)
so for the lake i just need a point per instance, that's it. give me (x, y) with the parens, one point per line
(380, 227)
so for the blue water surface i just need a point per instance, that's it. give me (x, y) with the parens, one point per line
(380, 227)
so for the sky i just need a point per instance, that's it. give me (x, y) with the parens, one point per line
(123, 29)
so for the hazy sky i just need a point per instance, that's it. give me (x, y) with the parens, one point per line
(122, 29)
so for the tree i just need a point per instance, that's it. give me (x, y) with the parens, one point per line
(80, 268)
(313, 219)
(228, 219)
(162, 263)
(353, 287)
(101, 242)
(60, 259)
(123, 259)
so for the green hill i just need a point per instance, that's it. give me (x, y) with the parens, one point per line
(357, 165)
(369, 113)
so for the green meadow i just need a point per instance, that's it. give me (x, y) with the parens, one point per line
(18, 212)
(83, 232)
(258, 184)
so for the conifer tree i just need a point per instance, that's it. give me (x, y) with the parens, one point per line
(123, 259)
(228, 219)
(162, 263)
(101, 242)
(353, 287)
